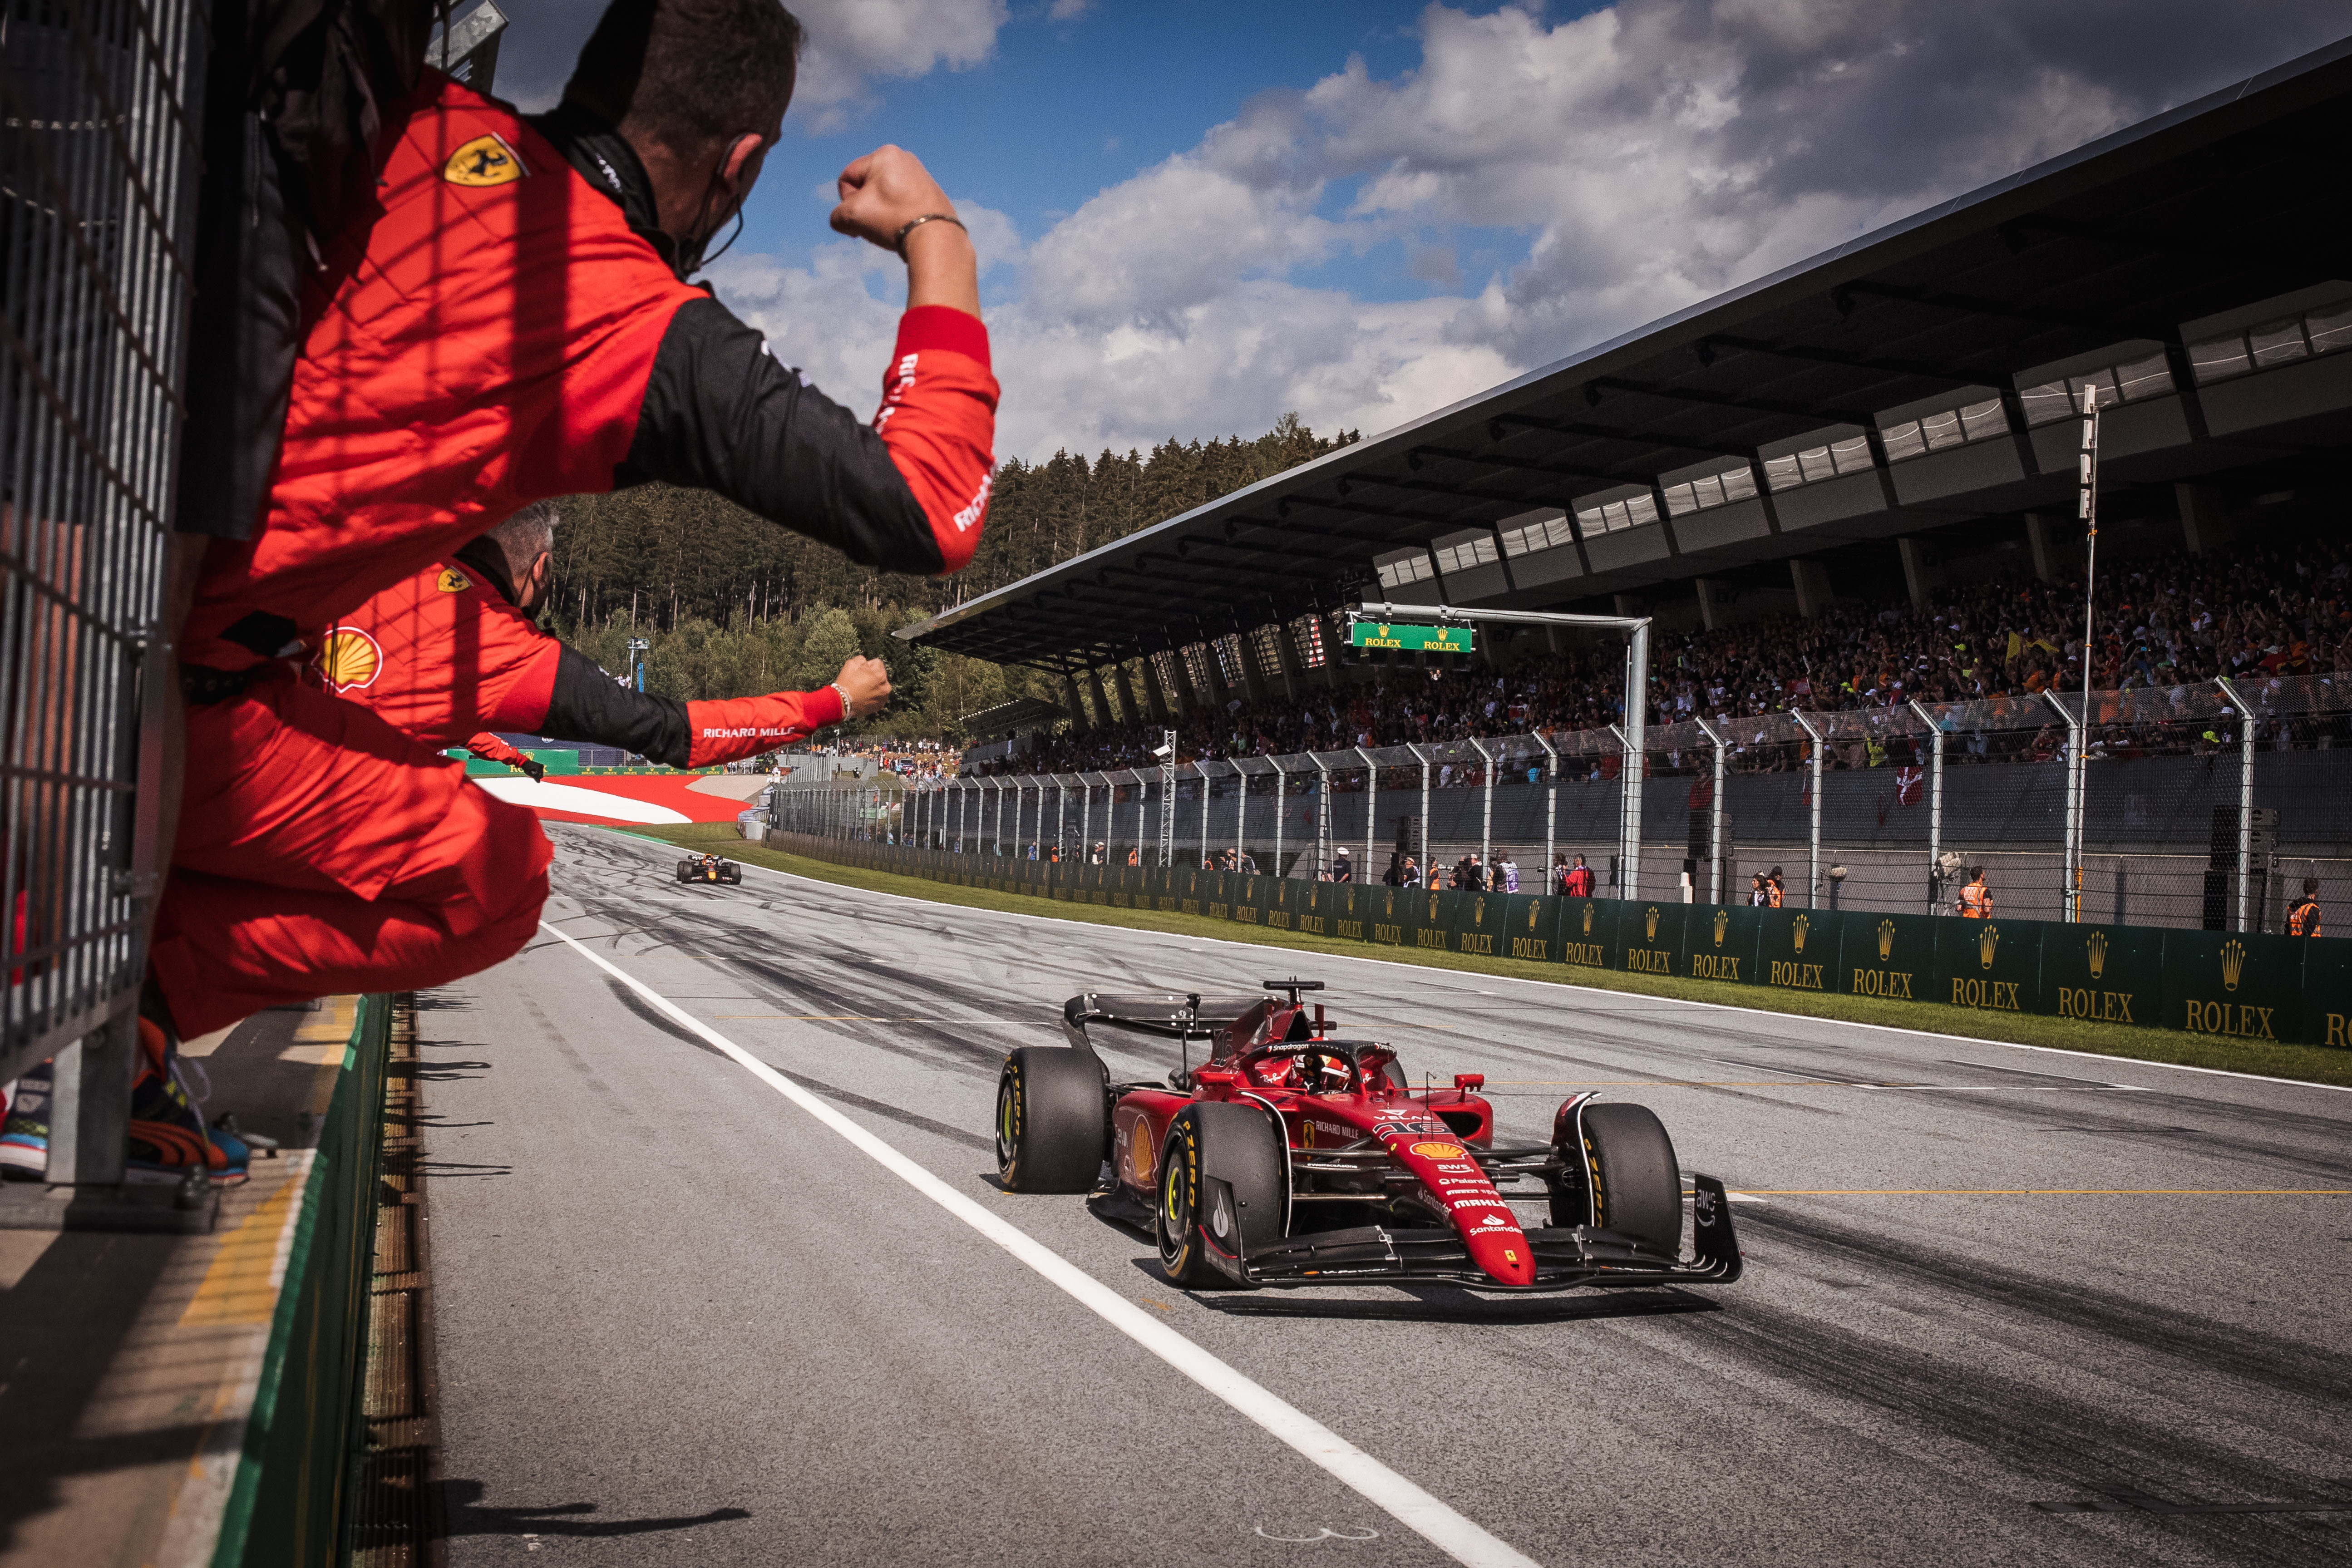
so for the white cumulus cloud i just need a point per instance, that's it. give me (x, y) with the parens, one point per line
(1636, 159)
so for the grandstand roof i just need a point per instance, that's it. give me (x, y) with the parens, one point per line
(1884, 386)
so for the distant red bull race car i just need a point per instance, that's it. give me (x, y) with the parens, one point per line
(1291, 1157)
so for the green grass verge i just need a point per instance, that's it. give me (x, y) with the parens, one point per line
(2313, 1064)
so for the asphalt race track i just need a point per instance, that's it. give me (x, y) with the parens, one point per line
(682, 1320)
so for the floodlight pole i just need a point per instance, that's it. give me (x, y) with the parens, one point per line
(2070, 893)
(1714, 830)
(1281, 805)
(1417, 751)
(1637, 704)
(2246, 801)
(2078, 793)
(1814, 888)
(1168, 795)
(1934, 805)
(1202, 769)
(1486, 811)
(1322, 816)
(1551, 802)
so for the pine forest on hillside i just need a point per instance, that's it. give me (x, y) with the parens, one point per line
(734, 606)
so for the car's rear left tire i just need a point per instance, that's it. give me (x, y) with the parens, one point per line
(1224, 1168)
(1053, 1120)
(1637, 1187)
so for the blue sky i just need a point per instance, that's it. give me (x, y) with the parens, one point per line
(1196, 216)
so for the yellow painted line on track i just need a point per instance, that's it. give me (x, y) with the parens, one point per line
(1757, 1194)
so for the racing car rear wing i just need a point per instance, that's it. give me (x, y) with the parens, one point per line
(1172, 1015)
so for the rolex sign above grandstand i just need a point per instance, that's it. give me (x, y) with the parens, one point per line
(1381, 635)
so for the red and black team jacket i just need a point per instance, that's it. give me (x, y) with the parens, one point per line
(445, 655)
(508, 327)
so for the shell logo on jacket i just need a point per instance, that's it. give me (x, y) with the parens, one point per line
(348, 659)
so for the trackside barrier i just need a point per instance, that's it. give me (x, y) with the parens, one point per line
(291, 1500)
(2239, 986)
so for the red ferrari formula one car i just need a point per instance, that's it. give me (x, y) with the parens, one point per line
(1294, 1157)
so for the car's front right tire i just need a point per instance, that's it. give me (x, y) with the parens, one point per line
(1224, 1169)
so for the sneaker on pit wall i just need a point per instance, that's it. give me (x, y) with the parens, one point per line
(25, 1135)
(169, 1140)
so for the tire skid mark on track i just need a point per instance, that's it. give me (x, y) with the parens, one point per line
(2037, 1432)
(2211, 1348)
(1450, 1532)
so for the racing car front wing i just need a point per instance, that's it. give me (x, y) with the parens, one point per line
(1566, 1257)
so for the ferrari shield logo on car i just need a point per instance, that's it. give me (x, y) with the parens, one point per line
(452, 581)
(348, 659)
(484, 160)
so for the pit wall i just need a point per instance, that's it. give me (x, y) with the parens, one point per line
(2248, 986)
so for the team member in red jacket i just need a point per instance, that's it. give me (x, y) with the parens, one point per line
(454, 652)
(512, 323)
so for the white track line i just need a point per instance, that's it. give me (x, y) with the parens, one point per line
(1443, 1528)
(1563, 985)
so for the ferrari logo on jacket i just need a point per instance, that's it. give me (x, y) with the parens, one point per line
(485, 161)
(348, 659)
(452, 581)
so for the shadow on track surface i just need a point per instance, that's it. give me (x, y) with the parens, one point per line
(464, 1514)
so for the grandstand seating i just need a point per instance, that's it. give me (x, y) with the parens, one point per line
(2169, 621)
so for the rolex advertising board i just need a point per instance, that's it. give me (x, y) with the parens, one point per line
(1476, 927)
(1191, 889)
(1351, 913)
(1990, 966)
(1892, 957)
(1530, 927)
(1432, 920)
(1246, 904)
(1647, 936)
(1796, 950)
(1389, 918)
(1587, 932)
(2246, 986)
(2326, 991)
(1293, 901)
(2105, 975)
(1718, 944)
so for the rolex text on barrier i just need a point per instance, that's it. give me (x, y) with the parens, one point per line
(1587, 932)
(1992, 966)
(1530, 923)
(1888, 956)
(1718, 944)
(2247, 986)
(1647, 936)
(1796, 950)
(1389, 915)
(1476, 927)
(2102, 974)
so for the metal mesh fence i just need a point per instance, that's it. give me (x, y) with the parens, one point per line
(2203, 805)
(97, 166)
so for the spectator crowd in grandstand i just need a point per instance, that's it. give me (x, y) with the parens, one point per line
(2165, 623)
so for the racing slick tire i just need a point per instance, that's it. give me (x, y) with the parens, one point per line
(1053, 1120)
(686, 870)
(1637, 1187)
(732, 874)
(1227, 1168)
